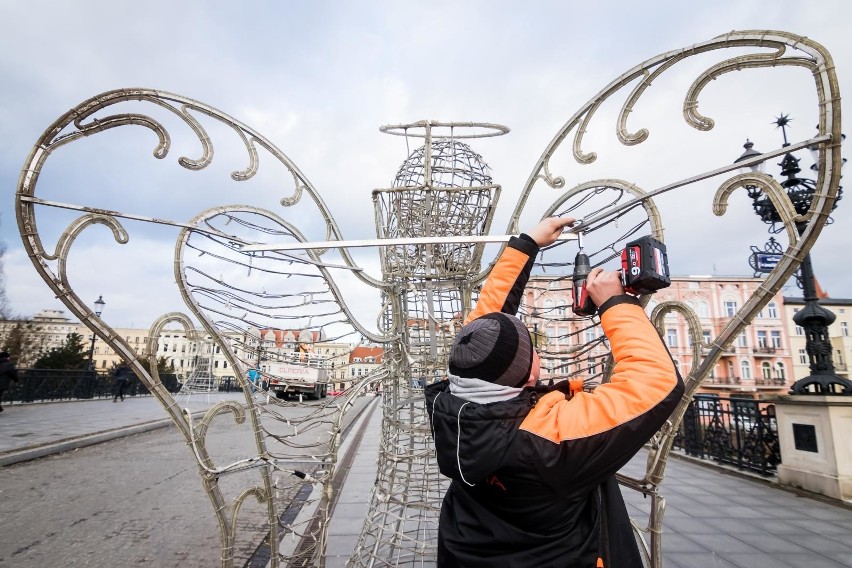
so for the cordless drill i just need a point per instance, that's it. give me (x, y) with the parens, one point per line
(644, 269)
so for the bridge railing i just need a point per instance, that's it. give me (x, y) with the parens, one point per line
(742, 432)
(38, 385)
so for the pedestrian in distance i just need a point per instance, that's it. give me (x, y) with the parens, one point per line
(8, 373)
(122, 379)
(533, 466)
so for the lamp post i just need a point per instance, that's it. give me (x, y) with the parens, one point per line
(99, 308)
(813, 318)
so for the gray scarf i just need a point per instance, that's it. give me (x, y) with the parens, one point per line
(479, 391)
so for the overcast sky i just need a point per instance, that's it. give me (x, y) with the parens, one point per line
(319, 78)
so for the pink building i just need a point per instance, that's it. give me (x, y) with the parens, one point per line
(758, 362)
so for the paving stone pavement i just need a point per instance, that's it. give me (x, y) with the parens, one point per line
(714, 518)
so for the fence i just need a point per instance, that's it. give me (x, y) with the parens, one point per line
(50, 384)
(736, 431)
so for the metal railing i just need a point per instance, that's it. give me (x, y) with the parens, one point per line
(722, 381)
(36, 385)
(736, 431)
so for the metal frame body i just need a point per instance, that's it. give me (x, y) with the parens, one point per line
(426, 288)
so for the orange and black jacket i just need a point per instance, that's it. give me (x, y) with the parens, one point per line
(533, 477)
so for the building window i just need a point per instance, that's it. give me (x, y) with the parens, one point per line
(590, 335)
(671, 337)
(705, 336)
(765, 370)
(839, 357)
(803, 357)
(780, 372)
(742, 340)
(776, 339)
(745, 370)
(772, 308)
(703, 310)
(844, 329)
(761, 338)
(730, 370)
(730, 308)
(799, 330)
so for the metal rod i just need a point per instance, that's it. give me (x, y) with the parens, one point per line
(460, 239)
(690, 180)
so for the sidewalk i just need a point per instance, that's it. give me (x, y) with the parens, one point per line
(34, 430)
(713, 518)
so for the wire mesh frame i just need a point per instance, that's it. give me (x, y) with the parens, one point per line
(442, 189)
(806, 53)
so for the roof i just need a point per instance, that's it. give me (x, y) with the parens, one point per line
(365, 352)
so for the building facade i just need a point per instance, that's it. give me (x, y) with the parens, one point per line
(45, 331)
(363, 361)
(766, 358)
(838, 332)
(759, 361)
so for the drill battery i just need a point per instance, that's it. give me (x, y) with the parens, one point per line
(645, 266)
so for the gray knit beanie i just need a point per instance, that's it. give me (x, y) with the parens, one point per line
(496, 348)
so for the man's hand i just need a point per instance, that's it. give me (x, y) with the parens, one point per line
(601, 285)
(548, 230)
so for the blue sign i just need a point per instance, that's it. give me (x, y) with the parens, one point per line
(765, 261)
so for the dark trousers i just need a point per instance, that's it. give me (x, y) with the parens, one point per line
(1, 395)
(120, 385)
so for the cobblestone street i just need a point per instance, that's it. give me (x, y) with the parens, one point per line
(135, 500)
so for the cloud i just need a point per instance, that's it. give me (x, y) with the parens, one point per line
(319, 81)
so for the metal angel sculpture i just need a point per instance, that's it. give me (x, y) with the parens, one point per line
(268, 285)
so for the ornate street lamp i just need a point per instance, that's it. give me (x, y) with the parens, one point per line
(99, 308)
(813, 318)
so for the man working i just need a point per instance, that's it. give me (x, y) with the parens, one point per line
(533, 468)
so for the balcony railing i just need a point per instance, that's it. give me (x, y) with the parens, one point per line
(722, 381)
(736, 431)
(770, 381)
(764, 350)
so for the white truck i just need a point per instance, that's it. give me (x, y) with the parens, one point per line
(308, 377)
